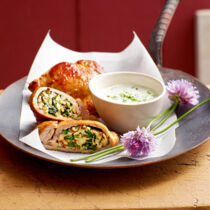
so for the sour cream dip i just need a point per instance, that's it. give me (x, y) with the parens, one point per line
(126, 100)
(127, 94)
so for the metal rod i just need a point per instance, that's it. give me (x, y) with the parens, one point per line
(160, 29)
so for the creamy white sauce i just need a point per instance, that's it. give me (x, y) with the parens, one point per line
(127, 94)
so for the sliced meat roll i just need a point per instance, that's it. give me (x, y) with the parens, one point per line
(53, 104)
(77, 136)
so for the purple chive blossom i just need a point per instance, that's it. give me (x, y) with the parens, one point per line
(183, 90)
(139, 143)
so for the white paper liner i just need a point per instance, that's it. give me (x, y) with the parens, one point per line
(134, 58)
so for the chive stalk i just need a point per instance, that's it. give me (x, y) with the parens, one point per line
(159, 116)
(97, 153)
(181, 117)
(170, 112)
(105, 153)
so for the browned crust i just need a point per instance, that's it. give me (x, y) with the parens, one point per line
(38, 113)
(34, 85)
(84, 111)
(112, 136)
(42, 126)
(115, 138)
(47, 130)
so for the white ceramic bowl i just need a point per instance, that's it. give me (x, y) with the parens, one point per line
(124, 117)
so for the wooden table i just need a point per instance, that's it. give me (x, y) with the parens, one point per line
(30, 183)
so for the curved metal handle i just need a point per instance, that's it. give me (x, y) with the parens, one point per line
(160, 29)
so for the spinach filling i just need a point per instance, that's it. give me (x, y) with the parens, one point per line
(83, 137)
(57, 105)
(52, 110)
(89, 145)
(72, 144)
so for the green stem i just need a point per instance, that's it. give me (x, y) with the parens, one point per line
(97, 153)
(104, 154)
(159, 116)
(172, 108)
(184, 115)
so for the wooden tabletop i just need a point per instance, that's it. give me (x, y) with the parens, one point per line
(29, 183)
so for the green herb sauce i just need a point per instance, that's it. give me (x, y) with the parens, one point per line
(128, 94)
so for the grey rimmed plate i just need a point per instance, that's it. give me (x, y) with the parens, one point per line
(193, 130)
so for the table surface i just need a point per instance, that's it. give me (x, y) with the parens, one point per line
(30, 183)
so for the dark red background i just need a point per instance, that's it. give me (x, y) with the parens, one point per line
(87, 25)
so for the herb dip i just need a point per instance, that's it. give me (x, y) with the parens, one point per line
(128, 94)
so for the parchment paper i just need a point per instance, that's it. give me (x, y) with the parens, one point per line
(134, 58)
